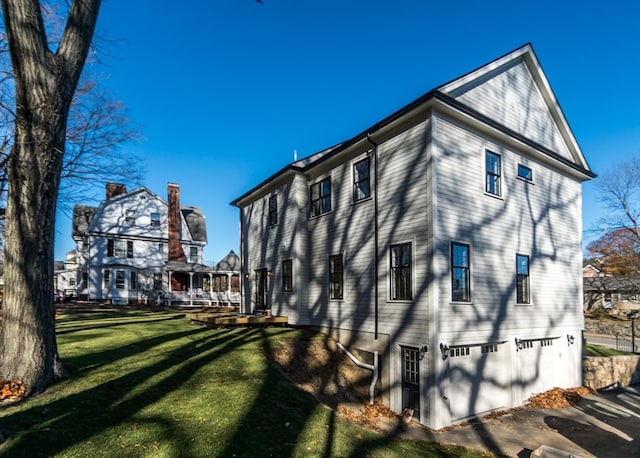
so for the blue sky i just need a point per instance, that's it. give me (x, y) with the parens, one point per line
(226, 90)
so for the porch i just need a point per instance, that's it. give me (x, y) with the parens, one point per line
(200, 298)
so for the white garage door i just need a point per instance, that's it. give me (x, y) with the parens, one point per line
(479, 379)
(539, 367)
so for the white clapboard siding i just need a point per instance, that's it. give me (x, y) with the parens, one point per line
(539, 219)
(512, 98)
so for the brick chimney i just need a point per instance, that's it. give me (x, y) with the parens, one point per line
(115, 189)
(176, 253)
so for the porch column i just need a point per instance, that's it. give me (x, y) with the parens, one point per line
(190, 288)
(169, 272)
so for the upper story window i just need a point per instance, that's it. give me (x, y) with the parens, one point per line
(460, 273)
(155, 218)
(193, 254)
(130, 218)
(525, 172)
(287, 276)
(273, 210)
(522, 279)
(401, 272)
(321, 197)
(120, 248)
(361, 181)
(494, 173)
(335, 277)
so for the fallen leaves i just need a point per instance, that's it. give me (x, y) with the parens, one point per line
(557, 398)
(12, 390)
(369, 415)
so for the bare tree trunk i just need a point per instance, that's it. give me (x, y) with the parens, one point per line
(45, 82)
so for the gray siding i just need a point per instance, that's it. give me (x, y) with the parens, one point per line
(511, 97)
(539, 219)
(267, 246)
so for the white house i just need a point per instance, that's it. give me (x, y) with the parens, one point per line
(446, 237)
(65, 276)
(135, 246)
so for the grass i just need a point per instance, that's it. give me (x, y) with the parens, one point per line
(598, 350)
(150, 384)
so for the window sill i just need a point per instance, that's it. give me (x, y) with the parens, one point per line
(361, 201)
(525, 180)
(320, 215)
(495, 196)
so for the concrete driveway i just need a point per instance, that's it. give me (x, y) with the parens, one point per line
(603, 425)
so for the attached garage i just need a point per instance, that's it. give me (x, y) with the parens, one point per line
(539, 366)
(478, 381)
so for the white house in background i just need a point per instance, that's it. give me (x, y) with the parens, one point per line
(125, 244)
(446, 237)
(65, 276)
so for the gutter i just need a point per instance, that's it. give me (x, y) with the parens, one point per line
(375, 235)
(372, 367)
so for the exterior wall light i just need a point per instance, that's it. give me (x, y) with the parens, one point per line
(518, 343)
(570, 339)
(423, 349)
(444, 348)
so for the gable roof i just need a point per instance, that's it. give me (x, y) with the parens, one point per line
(454, 99)
(230, 263)
(83, 215)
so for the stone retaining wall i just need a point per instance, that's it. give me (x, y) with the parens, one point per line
(611, 328)
(607, 371)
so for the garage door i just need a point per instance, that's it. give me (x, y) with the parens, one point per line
(479, 377)
(539, 367)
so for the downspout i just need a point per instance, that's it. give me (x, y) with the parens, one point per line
(375, 235)
(372, 367)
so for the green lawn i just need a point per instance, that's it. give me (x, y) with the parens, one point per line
(598, 350)
(152, 384)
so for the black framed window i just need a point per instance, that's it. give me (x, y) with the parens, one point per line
(494, 173)
(120, 248)
(273, 210)
(361, 180)
(154, 219)
(460, 273)
(133, 280)
(106, 278)
(401, 272)
(522, 279)
(335, 277)
(525, 172)
(321, 197)
(287, 275)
